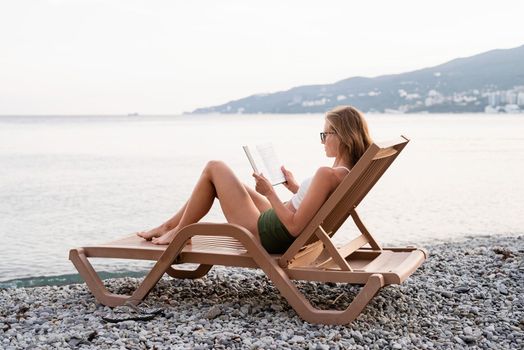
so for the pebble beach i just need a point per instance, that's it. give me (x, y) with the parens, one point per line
(468, 294)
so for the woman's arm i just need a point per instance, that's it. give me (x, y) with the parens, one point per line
(321, 187)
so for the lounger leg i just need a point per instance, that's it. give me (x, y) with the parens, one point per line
(161, 266)
(313, 315)
(93, 281)
(368, 291)
(200, 271)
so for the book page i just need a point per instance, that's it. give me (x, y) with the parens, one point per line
(271, 163)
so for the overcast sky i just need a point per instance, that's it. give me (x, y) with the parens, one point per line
(167, 57)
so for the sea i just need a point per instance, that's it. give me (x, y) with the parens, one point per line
(71, 181)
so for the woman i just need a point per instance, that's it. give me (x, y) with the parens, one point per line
(275, 223)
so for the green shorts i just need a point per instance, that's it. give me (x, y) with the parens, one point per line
(273, 235)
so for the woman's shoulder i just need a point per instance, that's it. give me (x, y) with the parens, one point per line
(327, 174)
(325, 170)
(332, 175)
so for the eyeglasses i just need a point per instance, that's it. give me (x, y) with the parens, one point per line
(324, 134)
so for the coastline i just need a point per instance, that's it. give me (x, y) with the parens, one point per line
(468, 293)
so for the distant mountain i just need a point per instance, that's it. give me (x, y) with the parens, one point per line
(461, 85)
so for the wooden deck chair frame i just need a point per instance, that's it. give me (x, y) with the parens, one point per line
(312, 256)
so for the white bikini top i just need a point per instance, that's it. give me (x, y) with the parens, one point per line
(297, 198)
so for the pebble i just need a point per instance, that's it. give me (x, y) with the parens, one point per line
(213, 312)
(276, 307)
(502, 289)
(297, 339)
(469, 339)
(466, 294)
(462, 289)
(357, 335)
(447, 294)
(246, 309)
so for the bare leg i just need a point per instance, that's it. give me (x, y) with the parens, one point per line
(218, 180)
(260, 201)
(165, 227)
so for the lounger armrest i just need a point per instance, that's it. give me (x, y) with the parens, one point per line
(216, 229)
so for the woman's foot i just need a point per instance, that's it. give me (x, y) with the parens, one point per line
(167, 237)
(149, 235)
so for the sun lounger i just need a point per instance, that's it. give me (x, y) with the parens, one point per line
(312, 257)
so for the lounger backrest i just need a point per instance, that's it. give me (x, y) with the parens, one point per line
(364, 175)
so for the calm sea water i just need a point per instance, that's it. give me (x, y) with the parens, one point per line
(68, 181)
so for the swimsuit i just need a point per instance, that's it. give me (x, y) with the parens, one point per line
(274, 236)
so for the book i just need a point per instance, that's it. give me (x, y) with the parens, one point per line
(263, 159)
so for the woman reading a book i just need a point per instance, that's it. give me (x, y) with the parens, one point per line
(345, 138)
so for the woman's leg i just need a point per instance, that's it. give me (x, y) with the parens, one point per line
(165, 227)
(218, 180)
(260, 201)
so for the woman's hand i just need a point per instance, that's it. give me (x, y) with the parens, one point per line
(263, 186)
(290, 183)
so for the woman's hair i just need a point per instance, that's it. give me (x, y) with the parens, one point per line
(352, 130)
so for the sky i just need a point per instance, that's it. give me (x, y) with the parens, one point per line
(169, 57)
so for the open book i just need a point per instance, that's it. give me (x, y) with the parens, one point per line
(264, 160)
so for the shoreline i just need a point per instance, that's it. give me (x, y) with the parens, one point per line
(470, 292)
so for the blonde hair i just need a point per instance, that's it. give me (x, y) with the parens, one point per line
(352, 130)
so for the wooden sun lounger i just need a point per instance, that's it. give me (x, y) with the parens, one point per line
(312, 257)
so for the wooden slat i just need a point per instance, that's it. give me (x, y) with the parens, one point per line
(352, 246)
(357, 277)
(371, 240)
(344, 251)
(379, 262)
(308, 256)
(332, 250)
